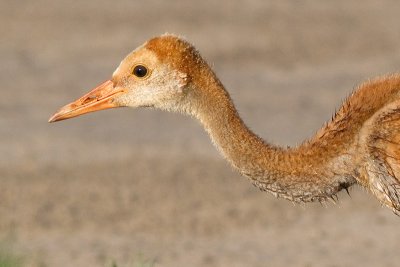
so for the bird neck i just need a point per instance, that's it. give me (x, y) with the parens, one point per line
(297, 174)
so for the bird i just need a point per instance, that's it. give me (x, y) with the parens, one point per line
(359, 145)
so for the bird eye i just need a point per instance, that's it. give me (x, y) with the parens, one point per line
(140, 71)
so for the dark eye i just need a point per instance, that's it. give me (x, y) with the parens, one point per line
(140, 71)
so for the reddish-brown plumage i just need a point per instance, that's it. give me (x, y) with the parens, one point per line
(361, 144)
(177, 53)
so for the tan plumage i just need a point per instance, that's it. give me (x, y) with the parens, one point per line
(361, 144)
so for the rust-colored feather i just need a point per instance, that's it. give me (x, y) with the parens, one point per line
(360, 144)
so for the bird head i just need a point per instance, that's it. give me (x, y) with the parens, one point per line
(157, 74)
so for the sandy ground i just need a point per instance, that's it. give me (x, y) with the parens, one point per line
(128, 185)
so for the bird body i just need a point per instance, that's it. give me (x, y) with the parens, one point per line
(361, 144)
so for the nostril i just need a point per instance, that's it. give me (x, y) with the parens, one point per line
(88, 99)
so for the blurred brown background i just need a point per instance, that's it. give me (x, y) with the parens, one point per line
(127, 184)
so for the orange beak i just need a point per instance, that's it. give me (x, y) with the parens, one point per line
(101, 97)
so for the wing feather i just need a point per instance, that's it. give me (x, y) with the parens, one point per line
(380, 165)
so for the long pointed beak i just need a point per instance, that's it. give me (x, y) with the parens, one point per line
(101, 97)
